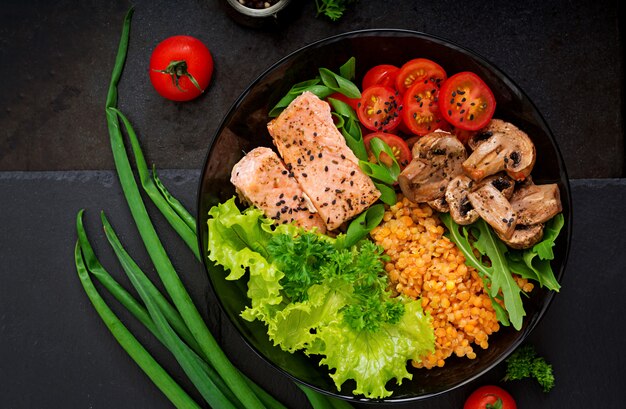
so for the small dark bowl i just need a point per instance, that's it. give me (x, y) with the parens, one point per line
(245, 128)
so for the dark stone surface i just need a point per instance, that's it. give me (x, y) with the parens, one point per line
(57, 58)
(56, 353)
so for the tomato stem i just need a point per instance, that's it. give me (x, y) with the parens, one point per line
(177, 69)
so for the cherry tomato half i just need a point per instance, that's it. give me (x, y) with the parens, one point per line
(487, 397)
(421, 112)
(466, 101)
(398, 146)
(379, 108)
(353, 102)
(384, 75)
(419, 70)
(181, 68)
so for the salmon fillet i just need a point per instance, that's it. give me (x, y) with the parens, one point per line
(325, 167)
(264, 181)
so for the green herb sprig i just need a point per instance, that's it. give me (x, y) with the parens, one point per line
(333, 9)
(525, 363)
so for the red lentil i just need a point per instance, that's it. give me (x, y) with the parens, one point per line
(426, 265)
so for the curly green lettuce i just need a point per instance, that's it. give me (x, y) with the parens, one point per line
(316, 295)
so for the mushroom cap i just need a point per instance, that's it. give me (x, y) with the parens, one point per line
(437, 159)
(535, 204)
(506, 148)
(523, 236)
(494, 208)
(461, 210)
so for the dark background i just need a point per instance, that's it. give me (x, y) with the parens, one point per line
(57, 59)
(55, 65)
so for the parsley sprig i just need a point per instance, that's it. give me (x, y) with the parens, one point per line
(525, 363)
(333, 9)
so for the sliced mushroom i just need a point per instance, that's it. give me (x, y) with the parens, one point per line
(437, 159)
(494, 208)
(500, 181)
(478, 138)
(508, 148)
(461, 210)
(524, 236)
(535, 204)
(440, 205)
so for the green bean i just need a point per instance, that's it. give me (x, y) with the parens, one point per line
(339, 84)
(171, 210)
(348, 69)
(137, 310)
(174, 203)
(199, 377)
(129, 343)
(155, 249)
(129, 302)
(320, 401)
(387, 193)
(363, 224)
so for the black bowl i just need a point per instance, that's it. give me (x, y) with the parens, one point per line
(245, 128)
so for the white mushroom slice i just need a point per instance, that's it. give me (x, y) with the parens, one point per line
(500, 181)
(492, 206)
(461, 210)
(524, 236)
(535, 204)
(437, 159)
(440, 205)
(508, 148)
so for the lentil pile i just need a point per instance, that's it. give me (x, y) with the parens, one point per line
(425, 264)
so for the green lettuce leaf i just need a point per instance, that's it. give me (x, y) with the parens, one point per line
(373, 358)
(320, 296)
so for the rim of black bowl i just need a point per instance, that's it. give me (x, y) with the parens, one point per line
(511, 84)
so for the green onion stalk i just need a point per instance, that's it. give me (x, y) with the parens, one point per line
(179, 327)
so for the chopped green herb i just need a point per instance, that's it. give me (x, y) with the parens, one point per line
(525, 363)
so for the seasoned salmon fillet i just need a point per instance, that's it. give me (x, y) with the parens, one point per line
(264, 181)
(316, 153)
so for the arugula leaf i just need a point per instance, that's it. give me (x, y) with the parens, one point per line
(534, 263)
(550, 233)
(501, 279)
(496, 277)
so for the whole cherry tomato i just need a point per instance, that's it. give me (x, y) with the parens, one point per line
(490, 397)
(181, 68)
